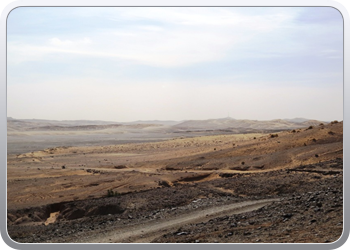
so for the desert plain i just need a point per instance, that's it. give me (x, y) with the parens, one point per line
(213, 181)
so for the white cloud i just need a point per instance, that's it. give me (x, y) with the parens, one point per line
(67, 43)
(184, 36)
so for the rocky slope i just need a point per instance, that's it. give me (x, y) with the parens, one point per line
(126, 186)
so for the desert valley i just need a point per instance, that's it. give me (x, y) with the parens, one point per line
(209, 181)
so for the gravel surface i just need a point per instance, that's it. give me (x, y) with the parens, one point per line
(310, 210)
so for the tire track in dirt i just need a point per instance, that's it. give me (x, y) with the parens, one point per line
(146, 232)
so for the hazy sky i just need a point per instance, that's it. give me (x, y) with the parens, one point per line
(125, 64)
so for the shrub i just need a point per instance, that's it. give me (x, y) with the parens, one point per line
(111, 193)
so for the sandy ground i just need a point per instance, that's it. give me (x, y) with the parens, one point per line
(48, 181)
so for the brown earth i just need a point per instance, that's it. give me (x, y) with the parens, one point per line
(60, 194)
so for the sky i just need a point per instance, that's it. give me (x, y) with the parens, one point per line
(174, 63)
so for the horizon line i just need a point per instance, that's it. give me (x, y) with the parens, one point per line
(169, 120)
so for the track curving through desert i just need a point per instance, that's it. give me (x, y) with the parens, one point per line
(148, 231)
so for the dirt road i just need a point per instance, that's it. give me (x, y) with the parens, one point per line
(148, 231)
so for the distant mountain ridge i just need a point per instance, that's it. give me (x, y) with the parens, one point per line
(209, 124)
(158, 122)
(251, 124)
(297, 120)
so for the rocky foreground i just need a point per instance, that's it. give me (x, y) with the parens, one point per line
(309, 209)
